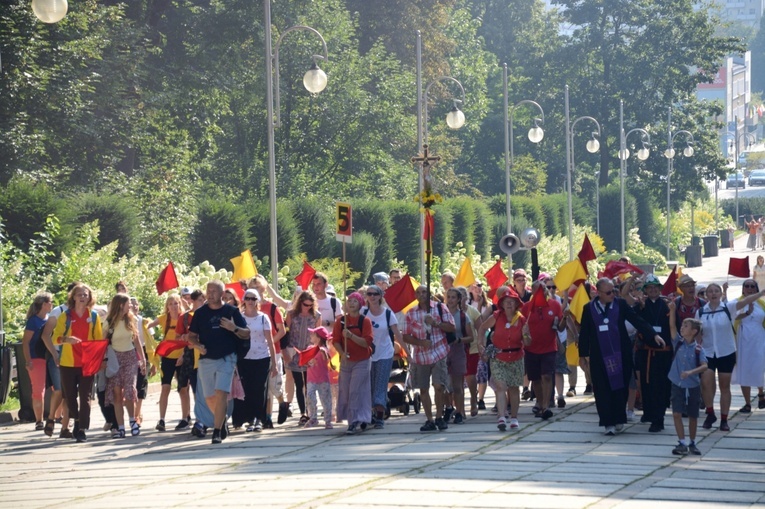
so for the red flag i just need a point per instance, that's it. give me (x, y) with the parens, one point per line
(306, 355)
(587, 253)
(430, 226)
(738, 267)
(399, 295)
(92, 354)
(670, 286)
(168, 346)
(167, 279)
(538, 300)
(306, 276)
(615, 267)
(236, 287)
(495, 277)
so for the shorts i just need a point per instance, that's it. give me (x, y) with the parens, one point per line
(186, 369)
(54, 375)
(471, 365)
(722, 364)
(216, 374)
(508, 373)
(167, 369)
(421, 375)
(561, 364)
(538, 364)
(685, 401)
(276, 382)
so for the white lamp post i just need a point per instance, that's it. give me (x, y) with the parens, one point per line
(50, 11)
(670, 155)
(314, 81)
(593, 145)
(455, 119)
(624, 154)
(736, 140)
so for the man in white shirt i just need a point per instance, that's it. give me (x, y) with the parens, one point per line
(329, 307)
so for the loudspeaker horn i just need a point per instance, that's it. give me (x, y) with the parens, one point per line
(509, 244)
(530, 238)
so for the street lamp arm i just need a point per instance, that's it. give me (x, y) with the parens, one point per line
(527, 101)
(425, 100)
(275, 58)
(645, 138)
(674, 135)
(597, 124)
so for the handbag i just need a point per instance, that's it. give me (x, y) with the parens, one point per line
(112, 362)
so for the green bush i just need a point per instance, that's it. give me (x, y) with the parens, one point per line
(374, 217)
(444, 231)
(220, 232)
(746, 207)
(405, 216)
(315, 217)
(117, 218)
(529, 208)
(484, 237)
(361, 254)
(610, 216)
(463, 221)
(288, 233)
(584, 212)
(552, 218)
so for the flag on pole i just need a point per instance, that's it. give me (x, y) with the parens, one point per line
(670, 286)
(465, 276)
(167, 279)
(570, 273)
(587, 253)
(236, 287)
(306, 355)
(738, 267)
(168, 346)
(401, 294)
(581, 298)
(495, 277)
(306, 276)
(92, 354)
(244, 266)
(538, 300)
(615, 268)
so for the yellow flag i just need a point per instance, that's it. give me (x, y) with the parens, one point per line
(679, 275)
(465, 276)
(577, 303)
(244, 266)
(569, 273)
(415, 284)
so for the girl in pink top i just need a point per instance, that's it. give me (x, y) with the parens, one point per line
(318, 378)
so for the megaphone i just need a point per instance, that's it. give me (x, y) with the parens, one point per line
(509, 244)
(530, 238)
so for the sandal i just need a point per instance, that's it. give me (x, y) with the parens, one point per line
(303, 420)
(536, 410)
(48, 429)
(746, 409)
(39, 426)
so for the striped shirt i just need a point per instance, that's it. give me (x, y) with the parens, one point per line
(415, 326)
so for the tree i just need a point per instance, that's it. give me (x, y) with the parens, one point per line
(757, 47)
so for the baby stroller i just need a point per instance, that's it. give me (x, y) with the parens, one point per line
(400, 393)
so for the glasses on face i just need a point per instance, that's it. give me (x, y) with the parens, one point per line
(521, 278)
(607, 292)
(552, 287)
(83, 295)
(255, 299)
(749, 285)
(373, 294)
(308, 303)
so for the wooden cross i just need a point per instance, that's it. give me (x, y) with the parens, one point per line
(426, 159)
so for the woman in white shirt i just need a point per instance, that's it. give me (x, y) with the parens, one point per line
(750, 367)
(256, 360)
(719, 342)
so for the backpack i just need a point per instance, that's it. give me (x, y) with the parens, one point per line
(359, 326)
(387, 321)
(93, 318)
(725, 310)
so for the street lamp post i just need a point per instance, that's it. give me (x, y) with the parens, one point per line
(624, 154)
(314, 81)
(536, 134)
(592, 146)
(454, 119)
(597, 201)
(670, 155)
(736, 139)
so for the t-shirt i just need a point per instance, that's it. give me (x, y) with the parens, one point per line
(122, 338)
(688, 356)
(35, 324)
(167, 328)
(276, 318)
(718, 339)
(544, 339)
(508, 335)
(381, 338)
(318, 370)
(355, 351)
(258, 324)
(80, 326)
(327, 314)
(218, 341)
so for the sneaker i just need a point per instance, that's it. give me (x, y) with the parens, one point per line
(303, 419)
(183, 424)
(619, 428)
(514, 424)
(328, 425)
(546, 414)
(610, 431)
(526, 395)
(458, 419)
(746, 409)
(80, 436)
(441, 424)
(268, 423)
(283, 411)
(681, 449)
(160, 425)
(655, 428)
(588, 389)
(378, 424)
(428, 426)
(571, 392)
(724, 426)
(118, 433)
(561, 402)
(198, 430)
(448, 413)
(352, 429)
(363, 426)
(481, 405)
(216, 438)
(711, 419)
(224, 431)
(501, 424)
(65, 433)
(630, 416)
(135, 429)
(258, 426)
(494, 409)
(692, 449)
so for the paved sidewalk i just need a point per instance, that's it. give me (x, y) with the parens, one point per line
(566, 462)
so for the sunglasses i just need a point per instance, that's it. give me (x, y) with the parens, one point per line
(373, 294)
(308, 303)
(750, 286)
(609, 292)
(251, 299)
(552, 287)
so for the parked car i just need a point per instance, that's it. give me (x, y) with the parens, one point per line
(734, 181)
(757, 178)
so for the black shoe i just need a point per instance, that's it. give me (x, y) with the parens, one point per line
(428, 426)
(448, 413)
(198, 430)
(268, 423)
(526, 395)
(80, 436)
(481, 405)
(644, 419)
(711, 419)
(184, 424)
(561, 402)
(746, 409)
(283, 410)
(655, 428)
(216, 438)
(160, 425)
(458, 419)
(692, 449)
(761, 401)
(441, 424)
(65, 433)
(547, 414)
(588, 389)
(224, 431)
(352, 429)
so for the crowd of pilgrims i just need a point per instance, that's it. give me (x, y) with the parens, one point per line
(638, 350)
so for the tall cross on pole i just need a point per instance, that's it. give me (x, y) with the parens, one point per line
(427, 160)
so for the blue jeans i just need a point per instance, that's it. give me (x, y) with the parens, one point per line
(380, 374)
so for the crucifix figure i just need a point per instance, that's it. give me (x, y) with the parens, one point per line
(427, 161)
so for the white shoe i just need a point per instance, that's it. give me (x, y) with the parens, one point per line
(630, 416)
(610, 431)
(514, 424)
(619, 428)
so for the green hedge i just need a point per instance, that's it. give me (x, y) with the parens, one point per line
(288, 233)
(484, 236)
(24, 207)
(220, 232)
(610, 216)
(316, 223)
(361, 255)
(463, 220)
(374, 217)
(117, 216)
(406, 218)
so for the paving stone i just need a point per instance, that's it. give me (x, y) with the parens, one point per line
(699, 495)
(557, 488)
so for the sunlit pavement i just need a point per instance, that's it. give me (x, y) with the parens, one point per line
(561, 463)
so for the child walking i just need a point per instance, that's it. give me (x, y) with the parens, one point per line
(688, 363)
(318, 380)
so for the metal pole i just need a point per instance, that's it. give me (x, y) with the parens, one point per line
(735, 160)
(597, 202)
(622, 167)
(569, 164)
(271, 149)
(421, 182)
(670, 156)
(507, 151)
